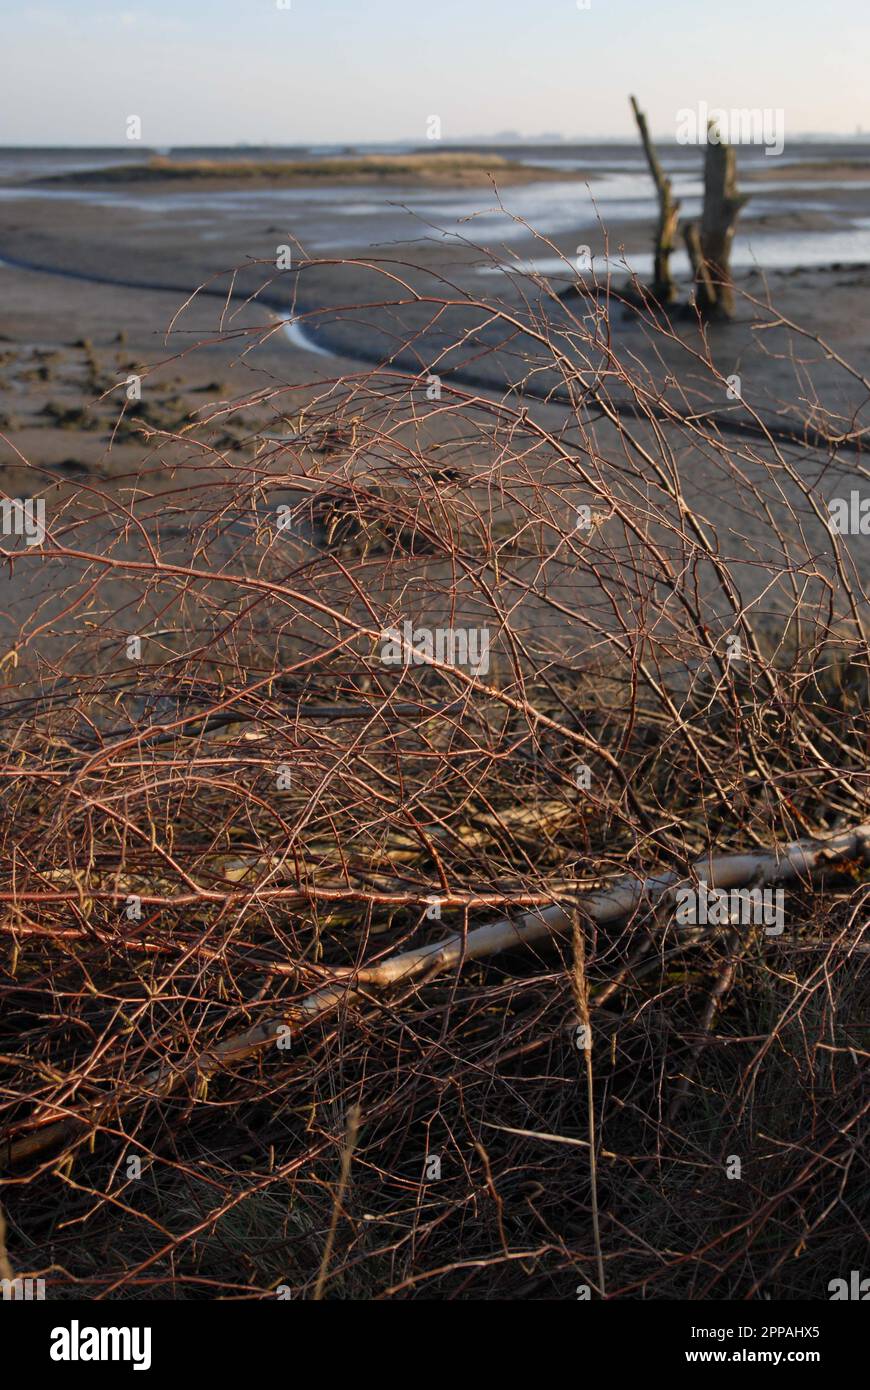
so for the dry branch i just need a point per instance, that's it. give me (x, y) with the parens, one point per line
(159, 783)
(663, 287)
(794, 863)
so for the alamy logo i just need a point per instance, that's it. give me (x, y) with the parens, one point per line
(850, 516)
(452, 646)
(23, 517)
(745, 907)
(77, 1343)
(853, 1288)
(22, 1290)
(746, 126)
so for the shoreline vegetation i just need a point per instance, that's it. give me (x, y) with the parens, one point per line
(268, 847)
(817, 170)
(436, 848)
(445, 169)
(463, 170)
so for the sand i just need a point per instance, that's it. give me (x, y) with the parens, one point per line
(111, 274)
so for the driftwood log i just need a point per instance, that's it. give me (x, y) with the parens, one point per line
(795, 863)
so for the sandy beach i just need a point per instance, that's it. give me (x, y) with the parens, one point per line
(94, 277)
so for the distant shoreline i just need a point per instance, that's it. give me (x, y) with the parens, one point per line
(821, 171)
(459, 171)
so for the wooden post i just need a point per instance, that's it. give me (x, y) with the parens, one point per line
(663, 286)
(722, 206)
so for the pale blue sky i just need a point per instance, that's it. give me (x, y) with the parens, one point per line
(222, 71)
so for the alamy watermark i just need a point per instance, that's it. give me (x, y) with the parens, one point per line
(744, 126)
(849, 516)
(855, 1288)
(77, 1343)
(746, 907)
(22, 1290)
(23, 517)
(451, 646)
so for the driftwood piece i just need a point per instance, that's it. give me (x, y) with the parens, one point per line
(663, 286)
(794, 863)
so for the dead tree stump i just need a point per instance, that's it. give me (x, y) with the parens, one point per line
(705, 292)
(663, 286)
(710, 251)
